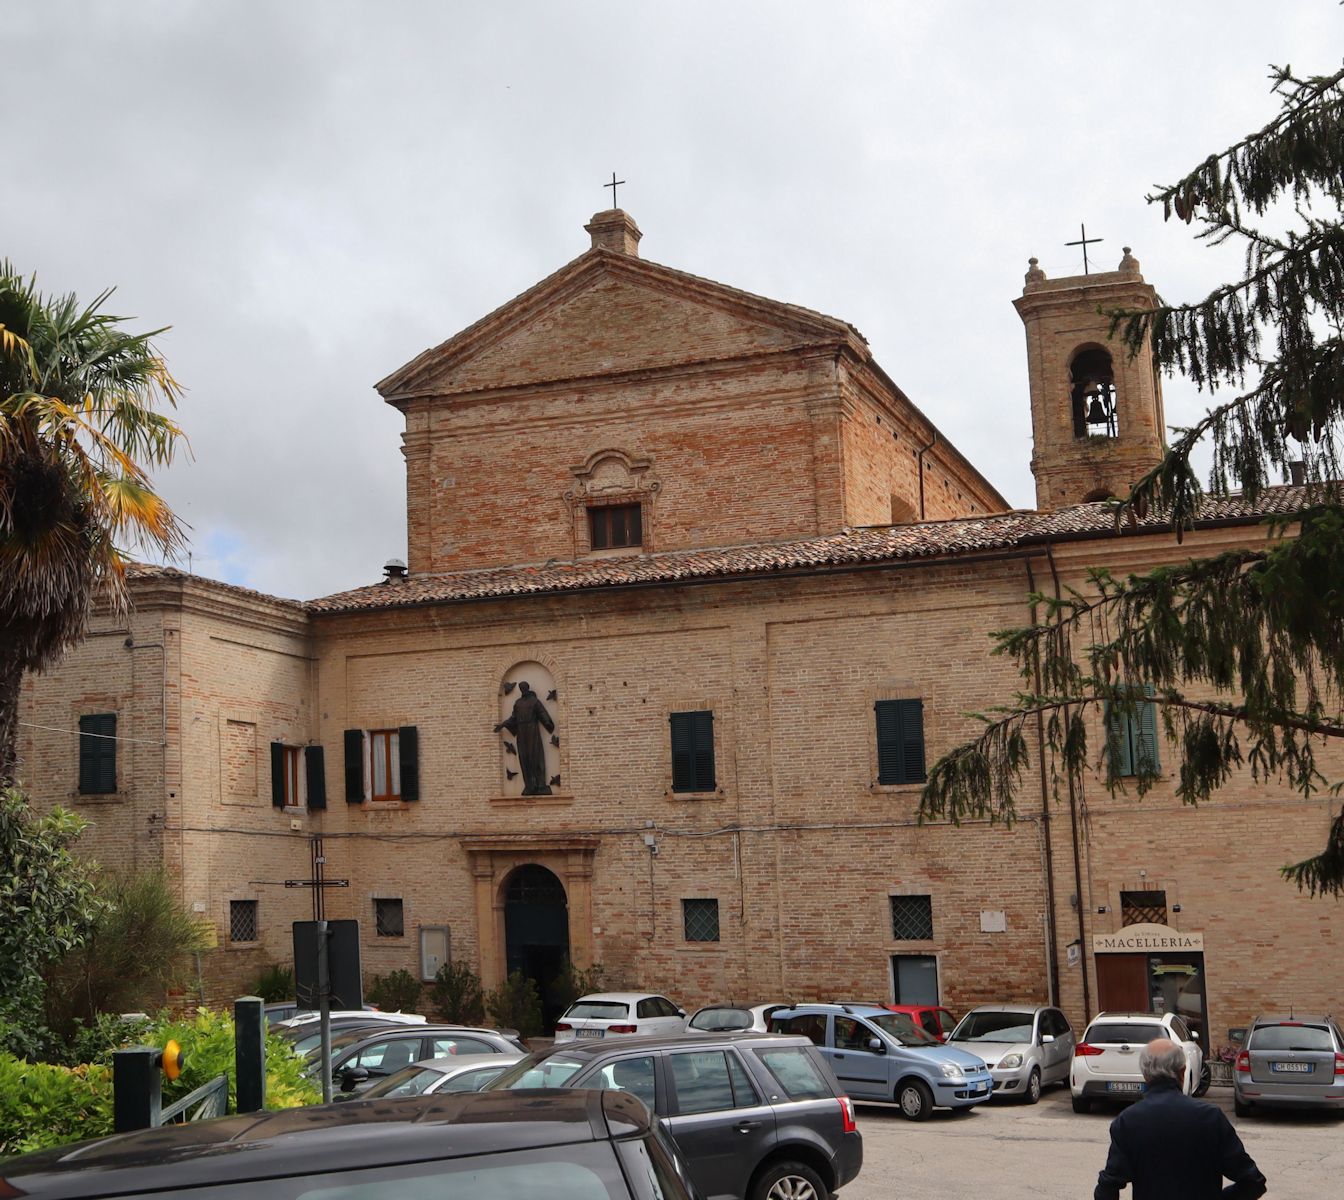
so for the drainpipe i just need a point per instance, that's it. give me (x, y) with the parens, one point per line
(919, 466)
(1051, 940)
(1073, 827)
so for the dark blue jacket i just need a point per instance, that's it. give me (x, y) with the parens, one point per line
(1171, 1147)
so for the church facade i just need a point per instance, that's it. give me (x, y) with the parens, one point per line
(661, 693)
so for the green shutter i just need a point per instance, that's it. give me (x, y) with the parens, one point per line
(683, 752)
(912, 740)
(354, 766)
(408, 740)
(1117, 744)
(702, 739)
(1145, 734)
(278, 775)
(900, 741)
(98, 754)
(316, 767)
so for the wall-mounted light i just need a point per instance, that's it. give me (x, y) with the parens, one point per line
(1175, 908)
(1103, 908)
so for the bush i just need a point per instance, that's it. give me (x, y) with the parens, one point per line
(398, 991)
(43, 1105)
(516, 1004)
(136, 951)
(572, 982)
(456, 995)
(275, 983)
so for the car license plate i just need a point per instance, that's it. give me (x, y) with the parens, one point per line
(1291, 1068)
(1127, 1089)
(979, 1089)
(589, 1032)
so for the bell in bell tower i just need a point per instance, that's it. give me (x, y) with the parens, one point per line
(1096, 411)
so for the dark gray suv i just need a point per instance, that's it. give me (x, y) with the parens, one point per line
(756, 1115)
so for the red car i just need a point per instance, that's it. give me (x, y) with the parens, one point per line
(931, 1018)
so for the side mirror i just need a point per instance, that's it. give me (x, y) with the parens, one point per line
(877, 1046)
(1194, 1033)
(681, 1012)
(1047, 1038)
(352, 1077)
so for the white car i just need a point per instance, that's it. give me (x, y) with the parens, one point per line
(459, 1073)
(346, 1015)
(1106, 1061)
(612, 1014)
(733, 1018)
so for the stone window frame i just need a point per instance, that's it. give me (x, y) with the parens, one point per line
(587, 493)
(702, 943)
(933, 945)
(241, 898)
(378, 899)
(897, 689)
(725, 776)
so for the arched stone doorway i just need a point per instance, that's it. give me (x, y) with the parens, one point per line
(536, 933)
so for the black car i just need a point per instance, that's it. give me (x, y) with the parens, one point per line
(569, 1145)
(757, 1115)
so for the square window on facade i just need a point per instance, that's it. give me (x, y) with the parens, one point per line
(692, 751)
(388, 918)
(900, 741)
(98, 754)
(912, 918)
(700, 920)
(243, 921)
(613, 525)
(1148, 907)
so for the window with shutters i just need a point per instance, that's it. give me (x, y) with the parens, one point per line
(693, 751)
(611, 526)
(243, 921)
(700, 920)
(98, 754)
(388, 918)
(1132, 738)
(900, 741)
(298, 777)
(912, 918)
(382, 765)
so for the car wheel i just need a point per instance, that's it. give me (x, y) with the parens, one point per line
(789, 1181)
(915, 1099)
(1240, 1107)
(1205, 1078)
(1033, 1092)
(1081, 1104)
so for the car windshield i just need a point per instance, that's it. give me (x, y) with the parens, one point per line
(339, 1041)
(1290, 1037)
(535, 1072)
(410, 1082)
(601, 1010)
(719, 1020)
(902, 1030)
(994, 1027)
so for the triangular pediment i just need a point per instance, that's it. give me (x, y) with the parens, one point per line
(608, 314)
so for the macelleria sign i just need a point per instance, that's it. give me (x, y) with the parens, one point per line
(1146, 939)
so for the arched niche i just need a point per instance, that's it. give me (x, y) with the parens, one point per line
(1092, 393)
(529, 718)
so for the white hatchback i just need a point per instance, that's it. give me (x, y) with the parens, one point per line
(1106, 1061)
(611, 1014)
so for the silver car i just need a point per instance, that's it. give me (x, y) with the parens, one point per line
(1290, 1061)
(1027, 1046)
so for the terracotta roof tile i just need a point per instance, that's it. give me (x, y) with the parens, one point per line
(894, 543)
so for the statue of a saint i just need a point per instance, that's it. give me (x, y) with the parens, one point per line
(528, 719)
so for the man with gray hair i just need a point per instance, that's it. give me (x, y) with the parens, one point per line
(1173, 1147)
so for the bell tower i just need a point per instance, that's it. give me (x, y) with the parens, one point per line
(1096, 412)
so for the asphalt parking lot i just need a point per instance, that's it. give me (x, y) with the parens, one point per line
(1002, 1150)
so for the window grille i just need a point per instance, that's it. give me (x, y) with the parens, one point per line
(388, 919)
(535, 885)
(1148, 907)
(243, 921)
(700, 920)
(912, 918)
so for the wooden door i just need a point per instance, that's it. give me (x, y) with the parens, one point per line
(1122, 982)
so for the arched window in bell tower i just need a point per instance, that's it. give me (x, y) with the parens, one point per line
(1093, 378)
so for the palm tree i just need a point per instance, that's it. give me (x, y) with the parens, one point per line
(78, 433)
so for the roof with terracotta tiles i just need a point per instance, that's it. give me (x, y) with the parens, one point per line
(895, 543)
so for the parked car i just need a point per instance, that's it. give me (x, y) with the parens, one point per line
(287, 1010)
(933, 1019)
(607, 1014)
(477, 1146)
(757, 1116)
(363, 1056)
(1290, 1062)
(1027, 1046)
(881, 1055)
(456, 1073)
(306, 1035)
(730, 1018)
(1106, 1061)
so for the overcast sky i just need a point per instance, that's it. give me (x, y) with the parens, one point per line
(310, 193)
